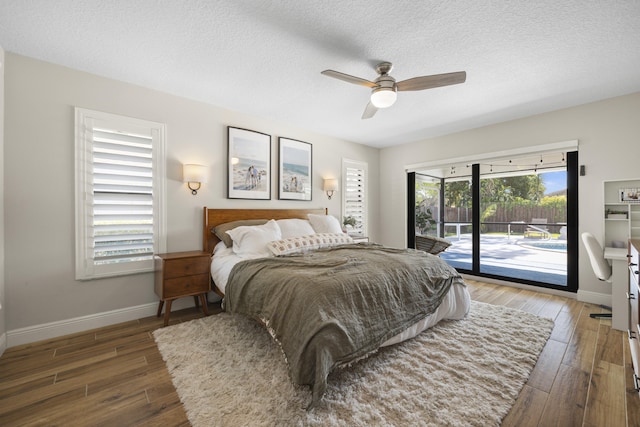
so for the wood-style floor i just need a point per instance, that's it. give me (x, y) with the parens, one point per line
(115, 376)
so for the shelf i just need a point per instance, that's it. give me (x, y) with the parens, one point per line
(628, 223)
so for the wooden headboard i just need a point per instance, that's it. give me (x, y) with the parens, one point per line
(214, 217)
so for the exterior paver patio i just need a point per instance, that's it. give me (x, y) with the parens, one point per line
(508, 257)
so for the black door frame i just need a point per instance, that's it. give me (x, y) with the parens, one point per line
(572, 225)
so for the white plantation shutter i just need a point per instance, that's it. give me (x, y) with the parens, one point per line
(354, 195)
(122, 196)
(119, 197)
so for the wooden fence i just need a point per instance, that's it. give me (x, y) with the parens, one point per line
(497, 223)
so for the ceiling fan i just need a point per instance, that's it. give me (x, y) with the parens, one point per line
(385, 88)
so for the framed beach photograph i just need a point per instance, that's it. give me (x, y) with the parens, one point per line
(249, 164)
(630, 195)
(295, 169)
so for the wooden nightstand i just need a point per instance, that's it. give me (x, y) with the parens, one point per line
(182, 274)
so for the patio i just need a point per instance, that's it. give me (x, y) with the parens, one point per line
(509, 256)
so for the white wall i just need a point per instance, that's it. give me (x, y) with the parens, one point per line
(3, 310)
(608, 132)
(39, 143)
(38, 162)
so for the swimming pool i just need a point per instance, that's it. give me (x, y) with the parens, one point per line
(546, 245)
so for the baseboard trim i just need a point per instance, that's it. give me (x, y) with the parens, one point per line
(3, 343)
(56, 329)
(594, 298)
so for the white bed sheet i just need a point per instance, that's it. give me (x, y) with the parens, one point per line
(222, 262)
(454, 306)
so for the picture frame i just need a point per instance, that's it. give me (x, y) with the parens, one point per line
(248, 164)
(630, 195)
(295, 169)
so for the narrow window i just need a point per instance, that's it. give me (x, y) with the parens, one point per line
(354, 196)
(119, 194)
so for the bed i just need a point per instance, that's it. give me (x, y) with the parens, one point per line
(326, 300)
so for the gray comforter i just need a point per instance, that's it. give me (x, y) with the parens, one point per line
(331, 306)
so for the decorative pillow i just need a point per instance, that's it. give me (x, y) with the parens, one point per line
(304, 243)
(251, 241)
(221, 230)
(325, 223)
(295, 227)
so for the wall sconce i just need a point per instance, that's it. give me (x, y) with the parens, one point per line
(330, 186)
(194, 176)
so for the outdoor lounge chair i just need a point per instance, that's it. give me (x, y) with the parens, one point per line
(540, 231)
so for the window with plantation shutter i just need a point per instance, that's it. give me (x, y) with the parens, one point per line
(354, 195)
(119, 194)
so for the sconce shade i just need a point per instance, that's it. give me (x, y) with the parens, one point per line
(330, 185)
(194, 173)
(194, 176)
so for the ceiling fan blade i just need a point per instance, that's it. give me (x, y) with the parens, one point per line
(369, 111)
(436, 80)
(349, 79)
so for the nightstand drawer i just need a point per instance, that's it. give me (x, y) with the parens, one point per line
(184, 286)
(181, 267)
(182, 274)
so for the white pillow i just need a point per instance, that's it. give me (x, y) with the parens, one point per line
(304, 243)
(220, 246)
(294, 227)
(251, 241)
(325, 223)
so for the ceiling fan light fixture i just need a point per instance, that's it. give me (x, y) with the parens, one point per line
(384, 88)
(383, 97)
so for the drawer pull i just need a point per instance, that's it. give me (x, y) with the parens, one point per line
(630, 296)
(632, 334)
(632, 264)
(636, 381)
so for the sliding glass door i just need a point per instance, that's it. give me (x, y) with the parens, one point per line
(525, 227)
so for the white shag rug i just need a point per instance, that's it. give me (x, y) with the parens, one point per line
(229, 372)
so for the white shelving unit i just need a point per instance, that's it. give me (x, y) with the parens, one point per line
(621, 218)
(621, 222)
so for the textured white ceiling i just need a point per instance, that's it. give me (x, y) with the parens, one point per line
(265, 57)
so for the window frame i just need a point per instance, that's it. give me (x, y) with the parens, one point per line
(85, 121)
(364, 167)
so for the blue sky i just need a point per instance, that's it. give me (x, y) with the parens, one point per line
(554, 181)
